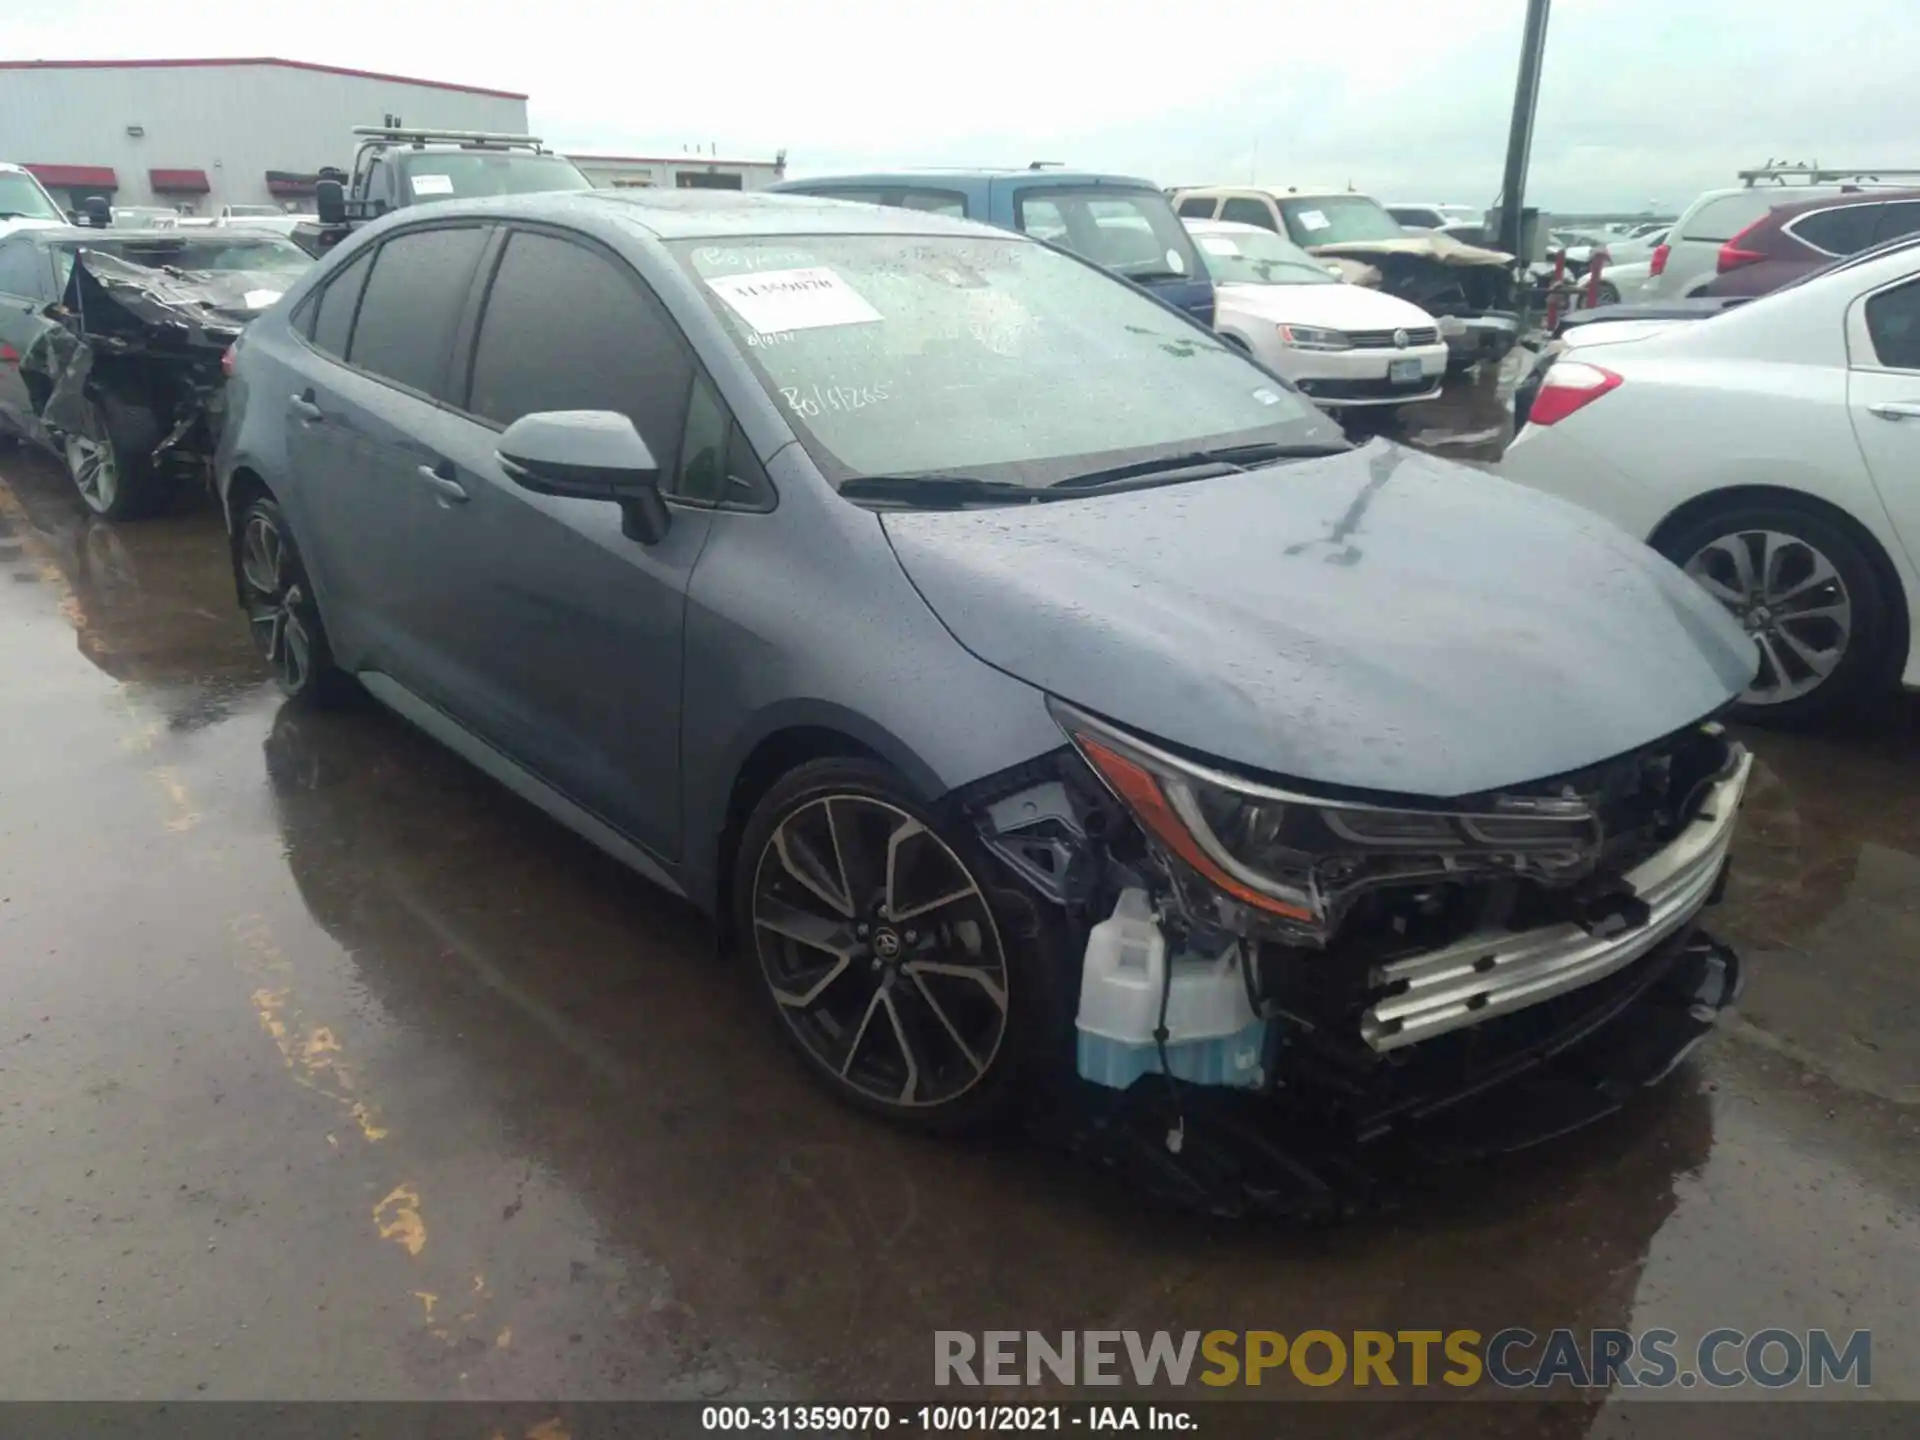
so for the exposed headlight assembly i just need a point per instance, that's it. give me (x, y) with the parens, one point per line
(1297, 861)
(1309, 337)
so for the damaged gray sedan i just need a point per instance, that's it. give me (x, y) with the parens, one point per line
(111, 346)
(1063, 718)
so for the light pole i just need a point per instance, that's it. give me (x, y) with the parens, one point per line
(1526, 99)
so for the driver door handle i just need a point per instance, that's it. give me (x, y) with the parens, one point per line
(1896, 409)
(440, 480)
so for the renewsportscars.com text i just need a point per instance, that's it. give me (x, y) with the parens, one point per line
(1515, 1358)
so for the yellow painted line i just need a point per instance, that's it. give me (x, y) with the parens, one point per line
(398, 1219)
(312, 1054)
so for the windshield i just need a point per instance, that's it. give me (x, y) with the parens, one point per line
(1337, 220)
(1259, 257)
(21, 198)
(438, 175)
(990, 358)
(1131, 232)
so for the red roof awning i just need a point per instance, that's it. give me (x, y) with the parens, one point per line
(178, 182)
(86, 177)
(290, 182)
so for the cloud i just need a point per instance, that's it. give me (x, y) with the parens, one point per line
(1407, 98)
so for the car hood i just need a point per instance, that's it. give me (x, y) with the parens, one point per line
(1431, 244)
(1338, 307)
(1378, 619)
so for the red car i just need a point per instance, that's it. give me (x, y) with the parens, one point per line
(1790, 240)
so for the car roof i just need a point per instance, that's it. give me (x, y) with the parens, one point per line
(88, 235)
(690, 214)
(1279, 192)
(1843, 200)
(929, 178)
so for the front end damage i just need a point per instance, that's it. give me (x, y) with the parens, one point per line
(1469, 289)
(1417, 981)
(143, 339)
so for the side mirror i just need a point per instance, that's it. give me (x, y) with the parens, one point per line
(588, 455)
(330, 202)
(97, 212)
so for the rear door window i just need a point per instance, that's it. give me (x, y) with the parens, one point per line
(1893, 324)
(333, 315)
(1245, 211)
(1896, 218)
(1840, 231)
(412, 301)
(938, 202)
(568, 327)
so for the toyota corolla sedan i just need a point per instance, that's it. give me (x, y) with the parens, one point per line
(1345, 345)
(1053, 708)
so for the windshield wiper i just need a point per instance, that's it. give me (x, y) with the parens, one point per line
(941, 491)
(1165, 469)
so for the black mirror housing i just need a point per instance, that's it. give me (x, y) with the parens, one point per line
(96, 212)
(330, 202)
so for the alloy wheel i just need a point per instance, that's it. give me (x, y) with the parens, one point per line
(94, 472)
(881, 951)
(275, 600)
(1791, 599)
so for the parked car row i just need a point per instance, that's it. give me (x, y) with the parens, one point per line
(1769, 446)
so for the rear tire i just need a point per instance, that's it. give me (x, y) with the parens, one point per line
(115, 476)
(282, 613)
(908, 982)
(1810, 593)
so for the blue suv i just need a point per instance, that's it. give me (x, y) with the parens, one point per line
(1126, 225)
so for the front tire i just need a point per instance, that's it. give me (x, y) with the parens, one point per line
(1809, 593)
(904, 980)
(282, 614)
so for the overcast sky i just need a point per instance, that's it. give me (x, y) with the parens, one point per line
(1642, 100)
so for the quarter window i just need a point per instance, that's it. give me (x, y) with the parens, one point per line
(333, 316)
(566, 328)
(413, 298)
(1893, 324)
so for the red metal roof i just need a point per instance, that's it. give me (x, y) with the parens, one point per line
(93, 177)
(254, 60)
(179, 182)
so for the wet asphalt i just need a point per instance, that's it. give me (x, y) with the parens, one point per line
(329, 1069)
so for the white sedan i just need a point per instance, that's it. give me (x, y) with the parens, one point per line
(1343, 345)
(1773, 451)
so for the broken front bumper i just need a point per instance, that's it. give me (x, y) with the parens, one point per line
(1490, 974)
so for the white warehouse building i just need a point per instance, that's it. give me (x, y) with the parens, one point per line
(194, 135)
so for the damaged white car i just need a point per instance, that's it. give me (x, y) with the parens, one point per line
(1468, 288)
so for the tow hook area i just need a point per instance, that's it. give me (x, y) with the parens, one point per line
(1302, 1150)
